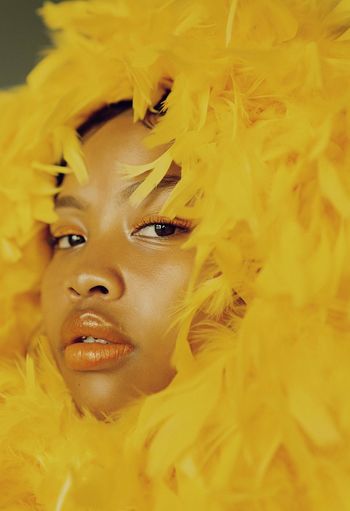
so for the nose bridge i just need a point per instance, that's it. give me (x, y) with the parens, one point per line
(95, 273)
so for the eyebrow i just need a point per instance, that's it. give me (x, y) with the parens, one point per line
(69, 201)
(167, 182)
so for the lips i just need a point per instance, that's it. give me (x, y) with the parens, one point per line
(109, 348)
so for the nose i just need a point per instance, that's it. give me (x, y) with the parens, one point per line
(107, 285)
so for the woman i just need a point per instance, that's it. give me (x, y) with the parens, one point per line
(117, 271)
(182, 340)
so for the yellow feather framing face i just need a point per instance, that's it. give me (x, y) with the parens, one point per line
(258, 119)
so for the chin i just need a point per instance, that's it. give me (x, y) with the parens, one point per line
(103, 407)
(98, 393)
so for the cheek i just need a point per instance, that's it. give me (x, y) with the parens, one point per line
(51, 296)
(159, 292)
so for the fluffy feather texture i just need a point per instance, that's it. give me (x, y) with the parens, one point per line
(259, 116)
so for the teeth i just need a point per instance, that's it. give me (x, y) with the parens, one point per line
(90, 340)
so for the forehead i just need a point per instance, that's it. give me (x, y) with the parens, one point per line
(108, 147)
(120, 140)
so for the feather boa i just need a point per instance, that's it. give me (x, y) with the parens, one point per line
(259, 116)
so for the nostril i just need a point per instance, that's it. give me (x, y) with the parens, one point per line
(86, 286)
(99, 289)
(73, 291)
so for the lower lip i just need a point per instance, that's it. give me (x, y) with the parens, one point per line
(95, 356)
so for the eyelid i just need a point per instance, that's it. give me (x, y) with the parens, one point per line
(157, 219)
(66, 230)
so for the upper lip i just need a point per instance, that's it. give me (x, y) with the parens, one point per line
(89, 323)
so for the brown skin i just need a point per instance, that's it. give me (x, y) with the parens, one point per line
(145, 274)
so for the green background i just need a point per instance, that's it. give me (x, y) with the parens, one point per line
(22, 36)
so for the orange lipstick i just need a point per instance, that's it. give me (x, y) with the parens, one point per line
(91, 342)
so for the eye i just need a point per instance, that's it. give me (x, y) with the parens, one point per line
(67, 241)
(159, 228)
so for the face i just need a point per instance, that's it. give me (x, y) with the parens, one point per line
(116, 275)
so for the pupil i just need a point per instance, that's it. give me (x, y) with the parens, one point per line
(74, 239)
(164, 229)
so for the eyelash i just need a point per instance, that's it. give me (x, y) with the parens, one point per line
(182, 224)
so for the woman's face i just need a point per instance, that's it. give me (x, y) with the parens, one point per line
(115, 277)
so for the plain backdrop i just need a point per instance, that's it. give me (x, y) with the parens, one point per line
(22, 36)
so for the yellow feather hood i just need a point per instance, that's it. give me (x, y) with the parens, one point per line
(259, 119)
